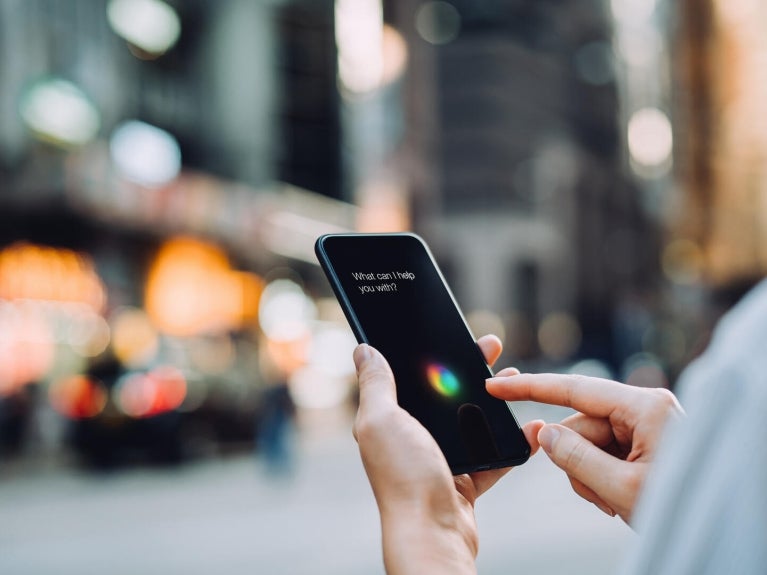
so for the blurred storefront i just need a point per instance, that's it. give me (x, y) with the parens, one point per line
(156, 265)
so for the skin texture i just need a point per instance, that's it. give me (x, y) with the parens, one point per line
(427, 515)
(606, 448)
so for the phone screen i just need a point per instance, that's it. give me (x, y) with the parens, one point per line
(396, 300)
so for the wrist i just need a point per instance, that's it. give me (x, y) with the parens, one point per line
(418, 540)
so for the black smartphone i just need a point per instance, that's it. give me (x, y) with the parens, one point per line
(396, 299)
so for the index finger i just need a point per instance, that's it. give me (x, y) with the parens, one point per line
(590, 395)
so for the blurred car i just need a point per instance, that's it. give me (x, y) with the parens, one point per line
(158, 415)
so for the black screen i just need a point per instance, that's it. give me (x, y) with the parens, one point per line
(396, 300)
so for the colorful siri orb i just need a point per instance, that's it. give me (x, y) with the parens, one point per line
(442, 380)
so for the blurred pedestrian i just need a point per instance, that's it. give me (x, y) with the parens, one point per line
(275, 428)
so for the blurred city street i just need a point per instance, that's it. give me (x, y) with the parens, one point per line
(591, 178)
(227, 515)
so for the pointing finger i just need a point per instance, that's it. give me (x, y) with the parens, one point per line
(590, 395)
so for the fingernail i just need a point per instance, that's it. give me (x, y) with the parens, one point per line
(547, 436)
(504, 373)
(361, 354)
(606, 509)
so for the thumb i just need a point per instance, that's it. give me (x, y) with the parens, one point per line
(376, 382)
(582, 460)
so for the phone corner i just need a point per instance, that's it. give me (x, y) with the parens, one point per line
(319, 245)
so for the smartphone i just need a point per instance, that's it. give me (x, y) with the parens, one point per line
(396, 299)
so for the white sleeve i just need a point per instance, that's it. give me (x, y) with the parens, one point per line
(704, 507)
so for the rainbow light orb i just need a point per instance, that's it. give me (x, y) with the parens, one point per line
(442, 380)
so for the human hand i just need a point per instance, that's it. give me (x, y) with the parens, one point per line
(606, 449)
(427, 514)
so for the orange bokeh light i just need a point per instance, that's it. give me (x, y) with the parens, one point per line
(192, 289)
(49, 274)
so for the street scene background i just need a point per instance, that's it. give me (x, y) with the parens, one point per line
(176, 382)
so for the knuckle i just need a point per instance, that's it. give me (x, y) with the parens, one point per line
(574, 457)
(369, 425)
(665, 399)
(371, 373)
(363, 428)
(571, 385)
(633, 479)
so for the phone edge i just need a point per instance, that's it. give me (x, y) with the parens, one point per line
(335, 285)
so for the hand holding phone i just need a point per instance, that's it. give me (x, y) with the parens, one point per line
(396, 300)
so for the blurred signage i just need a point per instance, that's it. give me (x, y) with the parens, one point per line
(192, 289)
(51, 274)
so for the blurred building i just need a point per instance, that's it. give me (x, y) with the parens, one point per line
(582, 171)
(185, 154)
(720, 226)
(244, 90)
(519, 167)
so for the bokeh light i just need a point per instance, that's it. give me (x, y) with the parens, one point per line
(192, 289)
(27, 345)
(59, 112)
(43, 273)
(78, 396)
(145, 154)
(644, 370)
(640, 47)
(650, 138)
(559, 335)
(212, 355)
(633, 12)
(134, 339)
(483, 322)
(285, 311)
(48, 296)
(359, 38)
(395, 55)
(151, 26)
(438, 22)
(88, 333)
(682, 261)
(148, 394)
